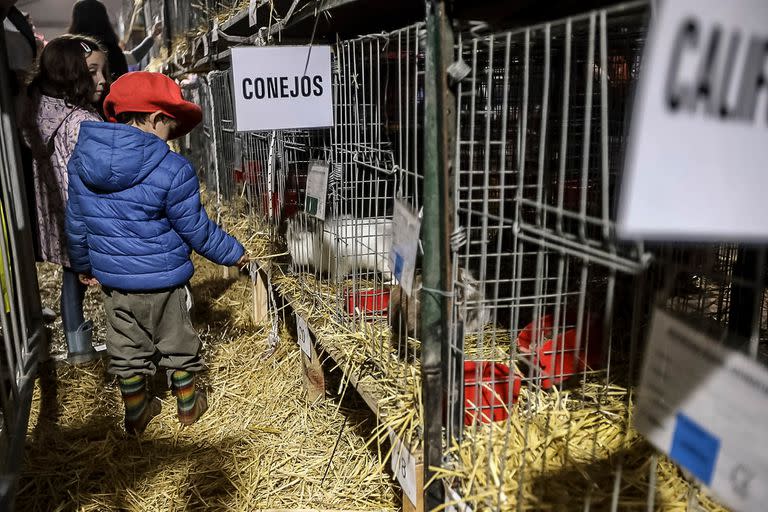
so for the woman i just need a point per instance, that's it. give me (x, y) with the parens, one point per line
(89, 17)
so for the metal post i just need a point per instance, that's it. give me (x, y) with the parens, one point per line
(436, 226)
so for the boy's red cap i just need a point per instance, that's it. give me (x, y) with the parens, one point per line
(142, 91)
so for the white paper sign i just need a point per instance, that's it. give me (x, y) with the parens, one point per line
(253, 6)
(317, 189)
(304, 339)
(272, 91)
(707, 407)
(403, 466)
(697, 154)
(406, 226)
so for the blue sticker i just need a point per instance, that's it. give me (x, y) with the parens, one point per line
(398, 265)
(694, 448)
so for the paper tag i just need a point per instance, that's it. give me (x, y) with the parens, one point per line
(215, 31)
(317, 189)
(403, 466)
(406, 226)
(303, 337)
(253, 6)
(205, 46)
(706, 406)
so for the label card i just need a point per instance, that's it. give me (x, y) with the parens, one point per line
(303, 338)
(706, 406)
(403, 466)
(317, 189)
(695, 166)
(274, 88)
(206, 50)
(406, 226)
(253, 6)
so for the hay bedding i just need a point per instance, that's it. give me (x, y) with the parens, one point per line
(259, 446)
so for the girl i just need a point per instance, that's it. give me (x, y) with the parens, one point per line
(70, 80)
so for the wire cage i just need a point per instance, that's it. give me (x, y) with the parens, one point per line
(23, 339)
(549, 310)
(373, 157)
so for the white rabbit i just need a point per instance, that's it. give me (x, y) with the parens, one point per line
(342, 246)
(359, 245)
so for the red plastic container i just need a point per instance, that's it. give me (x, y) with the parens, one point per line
(558, 358)
(489, 398)
(371, 302)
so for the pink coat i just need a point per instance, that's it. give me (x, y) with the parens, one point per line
(50, 174)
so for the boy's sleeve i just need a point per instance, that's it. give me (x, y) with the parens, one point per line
(189, 219)
(77, 240)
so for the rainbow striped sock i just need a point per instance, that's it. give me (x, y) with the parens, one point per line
(184, 386)
(134, 391)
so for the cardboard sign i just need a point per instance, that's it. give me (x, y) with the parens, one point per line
(406, 227)
(697, 154)
(317, 189)
(273, 92)
(706, 406)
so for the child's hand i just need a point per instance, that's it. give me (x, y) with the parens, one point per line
(243, 261)
(88, 280)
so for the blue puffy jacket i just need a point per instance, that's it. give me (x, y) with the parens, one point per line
(134, 214)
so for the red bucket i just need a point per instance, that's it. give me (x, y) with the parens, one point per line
(371, 302)
(489, 398)
(558, 359)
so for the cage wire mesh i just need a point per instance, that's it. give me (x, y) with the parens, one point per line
(548, 308)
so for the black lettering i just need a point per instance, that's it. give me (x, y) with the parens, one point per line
(284, 86)
(247, 85)
(706, 77)
(318, 82)
(258, 88)
(295, 91)
(752, 79)
(272, 87)
(688, 35)
(306, 86)
(726, 83)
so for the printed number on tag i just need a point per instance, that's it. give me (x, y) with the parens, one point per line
(317, 189)
(403, 466)
(406, 226)
(303, 337)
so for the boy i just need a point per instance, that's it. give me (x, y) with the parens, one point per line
(133, 218)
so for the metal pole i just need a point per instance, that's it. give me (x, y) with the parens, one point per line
(439, 124)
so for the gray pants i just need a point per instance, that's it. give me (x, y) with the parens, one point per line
(150, 330)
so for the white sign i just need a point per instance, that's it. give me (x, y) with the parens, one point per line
(707, 407)
(304, 339)
(403, 466)
(697, 154)
(317, 189)
(405, 243)
(272, 91)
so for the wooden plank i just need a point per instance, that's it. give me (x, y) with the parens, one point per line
(314, 379)
(260, 308)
